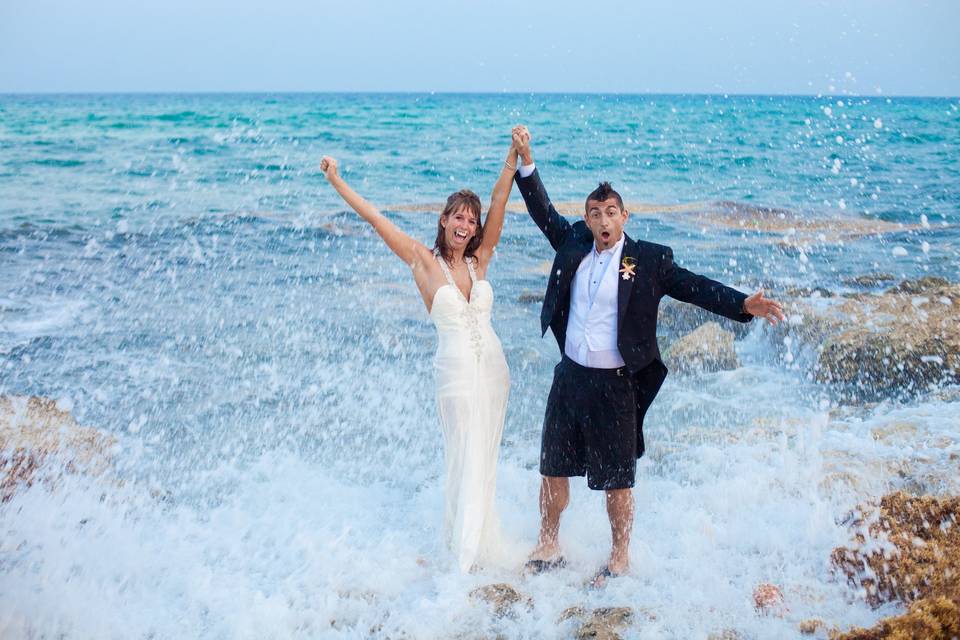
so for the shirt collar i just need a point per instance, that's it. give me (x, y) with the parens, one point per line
(612, 250)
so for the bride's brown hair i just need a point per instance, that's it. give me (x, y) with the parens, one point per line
(461, 199)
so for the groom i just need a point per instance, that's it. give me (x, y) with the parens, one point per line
(601, 304)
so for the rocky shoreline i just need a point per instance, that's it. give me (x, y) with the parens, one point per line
(896, 342)
(40, 441)
(863, 346)
(905, 549)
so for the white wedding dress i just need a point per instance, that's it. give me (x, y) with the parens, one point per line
(473, 383)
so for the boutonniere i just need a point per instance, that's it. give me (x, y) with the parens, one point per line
(627, 268)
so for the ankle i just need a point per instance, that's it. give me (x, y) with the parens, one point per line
(546, 550)
(619, 563)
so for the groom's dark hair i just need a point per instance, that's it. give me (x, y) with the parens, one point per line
(601, 193)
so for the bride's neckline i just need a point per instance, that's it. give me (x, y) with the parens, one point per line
(469, 303)
(447, 273)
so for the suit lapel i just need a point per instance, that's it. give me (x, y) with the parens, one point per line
(565, 266)
(631, 250)
(572, 261)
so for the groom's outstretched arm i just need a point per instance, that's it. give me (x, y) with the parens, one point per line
(711, 295)
(551, 223)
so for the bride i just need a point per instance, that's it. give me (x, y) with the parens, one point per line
(472, 378)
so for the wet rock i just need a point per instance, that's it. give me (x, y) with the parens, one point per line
(907, 470)
(872, 346)
(904, 549)
(677, 318)
(572, 612)
(871, 280)
(604, 623)
(765, 224)
(921, 285)
(502, 599)
(929, 619)
(807, 292)
(530, 297)
(726, 634)
(709, 348)
(768, 600)
(35, 434)
(774, 224)
(810, 627)
(894, 432)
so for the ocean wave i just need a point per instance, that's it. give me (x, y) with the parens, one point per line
(58, 162)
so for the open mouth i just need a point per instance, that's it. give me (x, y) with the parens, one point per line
(605, 235)
(460, 234)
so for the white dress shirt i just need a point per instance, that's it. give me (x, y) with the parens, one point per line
(592, 325)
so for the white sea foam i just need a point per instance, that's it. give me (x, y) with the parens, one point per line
(293, 550)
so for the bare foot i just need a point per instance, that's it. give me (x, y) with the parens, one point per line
(600, 580)
(618, 566)
(545, 552)
(614, 568)
(544, 558)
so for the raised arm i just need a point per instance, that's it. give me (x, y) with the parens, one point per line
(553, 225)
(408, 249)
(493, 226)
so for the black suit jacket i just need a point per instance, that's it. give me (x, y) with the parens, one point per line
(656, 276)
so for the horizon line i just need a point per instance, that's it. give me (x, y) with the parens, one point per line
(479, 93)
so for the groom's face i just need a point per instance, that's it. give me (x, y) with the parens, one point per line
(605, 219)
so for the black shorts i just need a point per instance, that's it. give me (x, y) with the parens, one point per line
(590, 427)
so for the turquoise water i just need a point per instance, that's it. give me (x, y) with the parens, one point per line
(176, 271)
(148, 158)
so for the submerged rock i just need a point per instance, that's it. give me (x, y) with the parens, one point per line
(502, 599)
(921, 285)
(807, 292)
(726, 634)
(871, 279)
(811, 626)
(897, 431)
(604, 623)
(768, 600)
(709, 348)
(677, 318)
(35, 432)
(530, 297)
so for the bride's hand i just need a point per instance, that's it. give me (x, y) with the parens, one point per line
(521, 142)
(329, 167)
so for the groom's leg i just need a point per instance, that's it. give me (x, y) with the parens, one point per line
(611, 439)
(554, 498)
(561, 456)
(620, 513)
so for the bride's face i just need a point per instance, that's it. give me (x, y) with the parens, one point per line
(460, 227)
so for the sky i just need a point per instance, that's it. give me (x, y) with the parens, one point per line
(866, 47)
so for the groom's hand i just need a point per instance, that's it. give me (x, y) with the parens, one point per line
(521, 142)
(757, 305)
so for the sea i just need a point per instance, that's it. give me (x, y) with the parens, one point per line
(176, 272)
